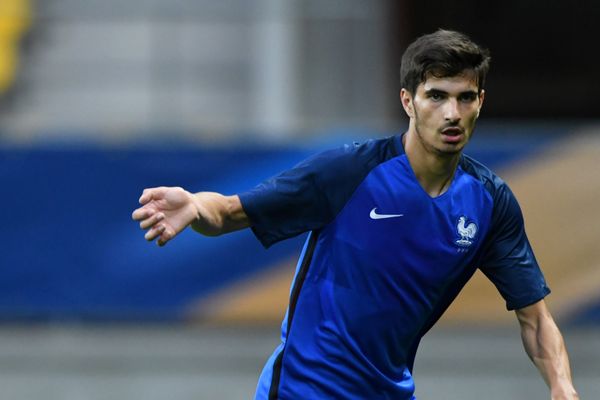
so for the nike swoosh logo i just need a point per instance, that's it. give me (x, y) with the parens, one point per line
(374, 215)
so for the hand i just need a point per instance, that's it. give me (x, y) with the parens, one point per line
(165, 212)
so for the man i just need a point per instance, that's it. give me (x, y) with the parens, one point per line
(397, 227)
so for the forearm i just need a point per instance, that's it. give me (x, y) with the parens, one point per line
(217, 214)
(545, 346)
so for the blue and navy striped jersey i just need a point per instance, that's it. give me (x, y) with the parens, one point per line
(382, 262)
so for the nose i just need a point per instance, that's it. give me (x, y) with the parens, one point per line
(451, 111)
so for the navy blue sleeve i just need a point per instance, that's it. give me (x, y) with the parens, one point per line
(311, 194)
(508, 260)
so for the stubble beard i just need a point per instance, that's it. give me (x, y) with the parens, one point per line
(431, 147)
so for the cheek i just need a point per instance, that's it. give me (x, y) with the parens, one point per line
(475, 116)
(425, 115)
(472, 116)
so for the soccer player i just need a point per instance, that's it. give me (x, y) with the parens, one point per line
(397, 227)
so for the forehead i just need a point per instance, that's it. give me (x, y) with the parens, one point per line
(464, 82)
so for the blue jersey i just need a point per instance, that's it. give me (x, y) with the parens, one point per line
(382, 262)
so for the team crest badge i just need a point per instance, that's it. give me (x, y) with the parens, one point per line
(466, 231)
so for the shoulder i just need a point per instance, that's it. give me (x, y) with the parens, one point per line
(348, 164)
(506, 210)
(493, 184)
(367, 154)
(309, 195)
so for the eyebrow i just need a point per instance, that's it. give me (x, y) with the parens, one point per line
(439, 91)
(435, 91)
(469, 92)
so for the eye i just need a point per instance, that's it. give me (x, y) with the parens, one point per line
(436, 96)
(468, 97)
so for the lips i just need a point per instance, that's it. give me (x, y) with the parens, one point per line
(454, 131)
(452, 134)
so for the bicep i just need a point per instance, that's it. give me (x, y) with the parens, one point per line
(304, 198)
(508, 259)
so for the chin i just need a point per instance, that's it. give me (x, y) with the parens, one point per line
(451, 150)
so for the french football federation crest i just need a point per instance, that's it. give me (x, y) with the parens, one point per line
(466, 232)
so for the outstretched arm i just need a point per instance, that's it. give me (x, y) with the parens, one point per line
(166, 211)
(544, 344)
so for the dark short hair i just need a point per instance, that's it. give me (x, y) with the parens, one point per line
(442, 54)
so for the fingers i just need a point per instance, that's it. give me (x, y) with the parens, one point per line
(152, 194)
(141, 213)
(161, 232)
(158, 230)
(149, 222)
(147, 196)
(155, 232)
(165, 237)
(151, 219)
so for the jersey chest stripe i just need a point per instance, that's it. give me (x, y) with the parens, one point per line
(277, 365)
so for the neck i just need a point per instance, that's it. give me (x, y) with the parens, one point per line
(434, 171)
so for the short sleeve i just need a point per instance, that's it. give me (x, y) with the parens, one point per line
(309, 195)
(508, 259)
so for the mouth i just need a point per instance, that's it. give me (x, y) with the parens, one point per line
(452, 134)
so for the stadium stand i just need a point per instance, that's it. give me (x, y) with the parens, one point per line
(168, 98)
(111, 96)
(15, 20)
(87, 260)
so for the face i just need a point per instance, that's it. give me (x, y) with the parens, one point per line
(443, 112)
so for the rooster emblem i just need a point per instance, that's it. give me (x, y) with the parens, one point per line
(467, 232)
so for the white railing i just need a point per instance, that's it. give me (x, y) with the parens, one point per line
(200, 67)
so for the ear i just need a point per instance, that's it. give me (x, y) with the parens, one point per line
(481, 98)
(407, 102)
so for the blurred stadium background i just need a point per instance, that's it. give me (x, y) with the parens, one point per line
(99, 99)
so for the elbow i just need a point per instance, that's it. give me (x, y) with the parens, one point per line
(534, 316)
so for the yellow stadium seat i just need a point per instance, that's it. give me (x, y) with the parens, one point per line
(15, 20)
